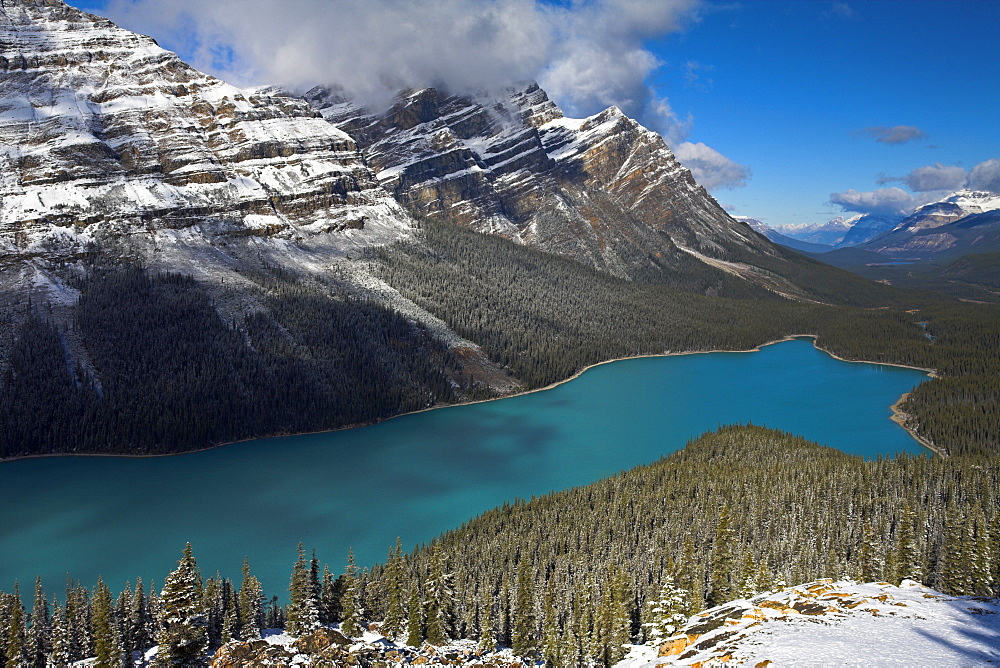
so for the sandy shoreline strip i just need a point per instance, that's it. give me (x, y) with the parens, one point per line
(898, 416)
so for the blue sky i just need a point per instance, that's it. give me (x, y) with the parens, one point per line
(781, 108)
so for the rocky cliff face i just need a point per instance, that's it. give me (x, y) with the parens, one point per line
(602, 190)
(102, 132)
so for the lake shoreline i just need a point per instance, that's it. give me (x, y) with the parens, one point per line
(898, 416)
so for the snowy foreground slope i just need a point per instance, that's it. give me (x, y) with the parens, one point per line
(822, 623)
(827, 623)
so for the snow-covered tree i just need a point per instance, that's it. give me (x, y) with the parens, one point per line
(250, 601)
(440, 602)
(184, 635)
(61, 654)
(394, 617)
(665, 613)
(303, 607)
(39, 634)
(523, 640)
(350, 602)
(415, 620)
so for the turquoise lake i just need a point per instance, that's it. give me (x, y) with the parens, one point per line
(417, 475)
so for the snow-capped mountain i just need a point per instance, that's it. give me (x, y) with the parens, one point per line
(866, 226)
(104, 133)
(829, 233)
(603, 190)
(781, 239)
(966, 221)
(109, 138)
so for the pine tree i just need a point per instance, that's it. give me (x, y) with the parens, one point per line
(60, 655)
(394, 618)
(16, 655)
(523, 640)
(723, 560)
(487, 626)
(665, 613)
(869, 556)
(135, 635)
(78, 616)
(440, 601)
(107, 643)
(551, 637)
(184, 636)
(692, 580)
(250, 601)
(613, 619)
(350, 602)
(906, 561)
(154, 609)
(39, 634)
(303, 608)
(331, 590)
(414, 624)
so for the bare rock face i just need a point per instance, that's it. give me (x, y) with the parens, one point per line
(102, 127)
(603, 190)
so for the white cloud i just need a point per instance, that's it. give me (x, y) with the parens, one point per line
(936, 177)
(710, 168)
(986, 176)
(884, 201)
(587, 54)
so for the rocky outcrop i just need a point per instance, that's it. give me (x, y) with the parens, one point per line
(834, 623)
(327, 647)
(602, 190)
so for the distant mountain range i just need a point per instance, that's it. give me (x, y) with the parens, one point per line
(965, 221)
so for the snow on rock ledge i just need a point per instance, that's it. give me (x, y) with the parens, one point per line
(836, 623)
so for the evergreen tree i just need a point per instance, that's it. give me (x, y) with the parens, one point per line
(906, 560)
(440, 602)
(414, 624)
(184, 636)
(332, 589)
(523, 640)
(106, 641)
(136, 636)
(666, 612)
(60, 655)
(551, 637)
(250, 601)
(869, 556)
(78, 615)
(39, 634)
(350, 602)
(15, 646)
(613, 619)
(487, 626)
(155, 613)
(303, 608)
(394, 617)
(723, 560)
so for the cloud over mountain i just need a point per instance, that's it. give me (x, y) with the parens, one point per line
(588, 54)
(931, 183)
